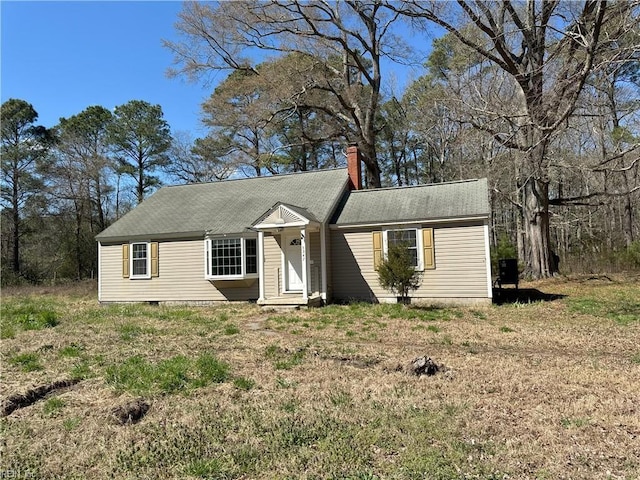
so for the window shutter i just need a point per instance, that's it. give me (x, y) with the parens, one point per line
(429, 253)
(154, 259)
(125, 260)
(377, 249)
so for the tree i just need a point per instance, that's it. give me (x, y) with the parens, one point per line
(240, 112)
(540, 55)
(141, 137)
(84, 137)
(79, 185)
(195, 161)
(397, 272)
(257, 128)
(24, 146)
(347, 41)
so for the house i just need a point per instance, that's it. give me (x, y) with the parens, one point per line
(297, 239)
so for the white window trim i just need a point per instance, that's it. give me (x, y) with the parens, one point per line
(419, 243)
(147, 275)
(244, 274)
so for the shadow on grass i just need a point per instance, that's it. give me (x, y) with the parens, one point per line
(502, 296)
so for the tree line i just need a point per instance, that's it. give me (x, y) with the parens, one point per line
(541, 97)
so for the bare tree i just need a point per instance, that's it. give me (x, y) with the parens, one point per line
(544, 52)
(194, 161)
(350, 38)
(83, 140)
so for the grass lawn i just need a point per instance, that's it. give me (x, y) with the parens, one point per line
(540, 390)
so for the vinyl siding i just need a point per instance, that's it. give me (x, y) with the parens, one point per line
(180, 277)
(460, 259)
(272, 266)
(329, 248)
(315, 272)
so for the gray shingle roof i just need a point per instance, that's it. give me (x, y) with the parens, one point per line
(405, 204)
(227, 207)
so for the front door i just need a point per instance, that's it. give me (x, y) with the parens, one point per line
(293, 263)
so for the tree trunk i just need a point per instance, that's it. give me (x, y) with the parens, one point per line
(99, 208)
(140, 186)
(372, 168)
(540, 259)
(15, 206)
(627, 217)
(78, 248)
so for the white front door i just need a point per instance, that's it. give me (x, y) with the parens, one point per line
(293, 263)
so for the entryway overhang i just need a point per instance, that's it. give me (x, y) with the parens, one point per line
(282, 216)
(293, 225)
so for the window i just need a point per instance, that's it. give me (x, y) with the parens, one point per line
(231, 258)
(140, 260)
(251, 254)
(419, 242)
(409, 238)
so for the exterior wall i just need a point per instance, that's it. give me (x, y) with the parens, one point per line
(181, 277)
(315, 271)
(181, 274)
(273, 264)
(460, 274)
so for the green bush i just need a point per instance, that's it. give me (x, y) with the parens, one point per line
(397, 273)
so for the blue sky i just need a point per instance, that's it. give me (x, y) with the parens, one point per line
(65, 56)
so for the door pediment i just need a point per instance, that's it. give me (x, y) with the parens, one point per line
(283, 216)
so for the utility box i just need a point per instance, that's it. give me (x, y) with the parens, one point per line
(508, 271)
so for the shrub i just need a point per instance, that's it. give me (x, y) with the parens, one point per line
(397, 273)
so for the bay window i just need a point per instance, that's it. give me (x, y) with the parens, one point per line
(229, 258)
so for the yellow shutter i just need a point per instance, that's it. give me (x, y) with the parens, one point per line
(429, 253)
(154, 259)
(125, 260)
(377, 249)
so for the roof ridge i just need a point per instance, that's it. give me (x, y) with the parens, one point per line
(262, 177)
(452, 182)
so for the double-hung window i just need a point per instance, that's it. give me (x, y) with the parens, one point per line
(418, 241)
(231, 258)
(140, 260)
(407, 238)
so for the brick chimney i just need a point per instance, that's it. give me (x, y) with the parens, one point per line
(354, 167)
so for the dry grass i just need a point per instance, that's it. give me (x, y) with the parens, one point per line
(535, 390)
